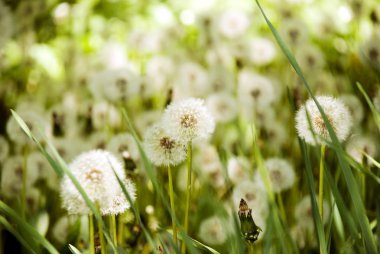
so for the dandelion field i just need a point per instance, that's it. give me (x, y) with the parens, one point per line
(189, 126)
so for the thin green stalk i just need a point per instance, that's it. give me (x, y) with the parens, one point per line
(172, 206)
(120, 227)
(188, 193)
(321, 177)
(91, 233)
(112, 221)
(281, 206)
(103, 249)
(24, 177)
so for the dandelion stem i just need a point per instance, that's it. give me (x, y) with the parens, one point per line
(91, 233)
(188, 193)
(321, 173)
(281, 206)
(112, 221)
(120, 227)
(172, 207)
(101, 237)
(24, 177)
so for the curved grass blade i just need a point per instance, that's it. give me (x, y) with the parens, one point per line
(359, 210)
(316, 216)
(27, 228)
(74, 250)
(375, 113)
(16, 234)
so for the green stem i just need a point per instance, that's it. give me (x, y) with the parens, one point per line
(103, 249)
(120, 227)
(281, 206)
(112, 221)
(91, 233)
(321, 177)
(24, 177)
(172, 207)
(188, 193)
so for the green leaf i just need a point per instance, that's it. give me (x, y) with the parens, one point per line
(375, 114)
(74, 250)
(27, 228)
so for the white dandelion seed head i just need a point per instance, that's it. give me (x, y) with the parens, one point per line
(253, 193)
(359, 144)
(36, 123)
(115, 85)
(294, 31)
(223, 106)
(119, 202)
(238, 169)
(95, 171)
(159, 71)
(303, 212)
(12, 174)
(281, 174)
(337, 113)
(310, 57)
(124, 146)
(255, 91)
(193, 79)
(261, 51)
(221, 80)
(4, 148)
(161, 148)
(355, 106)
(233, 23)
(104, 114)
(371, 51)
(113, 56)
(213, 230)
(188, 120)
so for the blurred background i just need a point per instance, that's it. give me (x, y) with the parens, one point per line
(68, 67)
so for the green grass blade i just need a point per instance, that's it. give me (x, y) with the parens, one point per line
(316, 216)
(375, 114)
(74, 250)
(349, 178)
(27, 228)
(16, 234)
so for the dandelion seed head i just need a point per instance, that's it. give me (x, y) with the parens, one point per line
(187, 120)
(213, 231)
(161, 148)
(337, 114)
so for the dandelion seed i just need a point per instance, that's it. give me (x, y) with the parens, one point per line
(337, 114)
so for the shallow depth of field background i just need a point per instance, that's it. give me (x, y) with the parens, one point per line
(69, 68)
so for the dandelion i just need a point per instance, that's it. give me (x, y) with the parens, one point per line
(161, 148)
(303, 212)
(233, 23)
(261, 51)
(310, 57)
(355, 106)
(213, 231)
(223, 106)
(294, 31)
(281, 174)
(104, 115)
(237, 168)
(95, 170)
(358, 145)
(253, 193)
(124, 146)
(188, 120)
(193, 79)
(337, 114)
